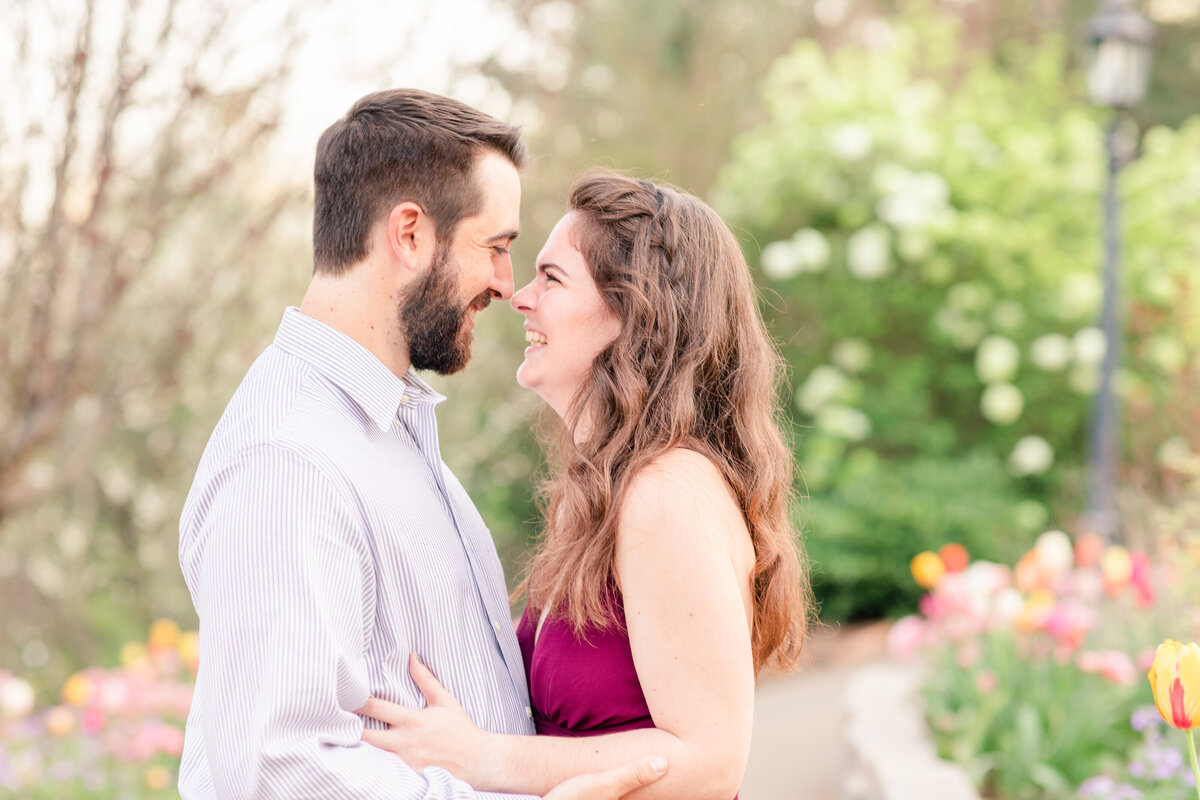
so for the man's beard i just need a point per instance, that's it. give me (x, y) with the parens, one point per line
(432, 322)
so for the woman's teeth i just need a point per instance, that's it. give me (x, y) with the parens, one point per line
(533, 337)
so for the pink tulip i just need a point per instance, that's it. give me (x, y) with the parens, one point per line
(92, 720)
(986, 682)
(1141, 579)
(1114, 666)
(906, 636)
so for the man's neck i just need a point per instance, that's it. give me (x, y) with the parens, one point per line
(350, 303)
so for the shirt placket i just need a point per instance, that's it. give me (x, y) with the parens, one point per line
(418, 419)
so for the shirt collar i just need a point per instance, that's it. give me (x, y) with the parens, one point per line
(352, 368)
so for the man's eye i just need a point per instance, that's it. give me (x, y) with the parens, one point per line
(500, 250)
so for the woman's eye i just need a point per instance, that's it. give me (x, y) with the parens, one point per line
(551, 279)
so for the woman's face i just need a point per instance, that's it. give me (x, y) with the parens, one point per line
(567, 323)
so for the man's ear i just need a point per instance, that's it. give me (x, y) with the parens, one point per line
(410, 235)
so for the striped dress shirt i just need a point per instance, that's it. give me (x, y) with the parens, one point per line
(323, 540)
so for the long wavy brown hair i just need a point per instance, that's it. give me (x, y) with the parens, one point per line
(694, 367)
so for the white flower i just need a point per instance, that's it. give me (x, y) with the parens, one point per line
(912, 201)
(1008, 606)
(997, 359)
(1032, 455)
(844, 422)
(1090, 344)
(780, 261)
(868, 253)
(823, 385)
(16, 697)
(851, 142)
(1054, 551)
(812, 248)
(1051, 352)
(1081, 292)
(806, 251)
(1002, 403)
(852, 355)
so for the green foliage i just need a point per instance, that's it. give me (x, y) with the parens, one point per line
(876, 516)
(930, 240)
(1041, 731)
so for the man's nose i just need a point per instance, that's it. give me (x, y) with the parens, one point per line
(501, 287)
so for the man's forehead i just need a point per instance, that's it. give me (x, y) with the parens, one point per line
(500, 183)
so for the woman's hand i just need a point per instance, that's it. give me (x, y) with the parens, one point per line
(611, 784)
(439, 735)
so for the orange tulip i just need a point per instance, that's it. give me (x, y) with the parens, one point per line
(1175, 680)
(954, 557)
(927, 569)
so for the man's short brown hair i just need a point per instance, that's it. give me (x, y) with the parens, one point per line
(395, 146)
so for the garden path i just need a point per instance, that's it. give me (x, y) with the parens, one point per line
(797, 751)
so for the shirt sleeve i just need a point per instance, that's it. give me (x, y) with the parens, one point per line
(286, 602)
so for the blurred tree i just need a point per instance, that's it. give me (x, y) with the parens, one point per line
(138, 206)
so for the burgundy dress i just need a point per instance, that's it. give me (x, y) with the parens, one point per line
(582, 688)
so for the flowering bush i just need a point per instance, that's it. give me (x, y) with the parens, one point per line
(1156, 769)
(1036, 670)
(117, 733)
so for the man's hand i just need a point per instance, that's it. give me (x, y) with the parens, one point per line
(612, 783)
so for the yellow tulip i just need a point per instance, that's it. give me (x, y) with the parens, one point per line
(189, 649)
(164, 633)
(78, 689)
(158, 778)
(927, 569)
(133, 654)
(1116, 566)
(1175, 680)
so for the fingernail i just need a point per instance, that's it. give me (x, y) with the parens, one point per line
(659, 764)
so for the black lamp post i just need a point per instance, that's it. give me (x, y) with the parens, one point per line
(1120, 40)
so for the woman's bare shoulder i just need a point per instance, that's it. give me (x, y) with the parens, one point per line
(678, 486)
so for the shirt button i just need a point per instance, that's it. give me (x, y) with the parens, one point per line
(404, 400)
(529, 712)
(496, 628)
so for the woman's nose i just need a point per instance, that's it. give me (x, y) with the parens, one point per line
(522, 299)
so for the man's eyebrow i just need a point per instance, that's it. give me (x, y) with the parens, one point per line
(503, 236)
